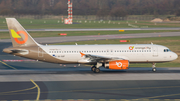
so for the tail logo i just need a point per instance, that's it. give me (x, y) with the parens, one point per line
(15, 35)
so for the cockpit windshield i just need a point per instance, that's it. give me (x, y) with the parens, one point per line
(167, 50)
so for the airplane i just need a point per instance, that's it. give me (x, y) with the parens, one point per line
(114, 57)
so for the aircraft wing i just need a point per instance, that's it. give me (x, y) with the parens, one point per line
(99, 58)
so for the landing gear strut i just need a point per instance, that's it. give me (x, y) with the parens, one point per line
(154, 67)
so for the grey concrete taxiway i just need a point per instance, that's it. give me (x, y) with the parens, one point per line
(99, 37)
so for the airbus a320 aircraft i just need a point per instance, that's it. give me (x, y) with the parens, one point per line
(114, 57)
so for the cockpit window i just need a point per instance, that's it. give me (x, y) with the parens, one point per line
(167, 50)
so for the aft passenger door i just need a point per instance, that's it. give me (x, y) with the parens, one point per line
(40, 52)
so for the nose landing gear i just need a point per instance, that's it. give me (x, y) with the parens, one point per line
(154, 67)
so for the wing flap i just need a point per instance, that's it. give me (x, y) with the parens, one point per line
(99, 58)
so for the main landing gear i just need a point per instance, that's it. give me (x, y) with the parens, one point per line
(95, 69)
(154, 67)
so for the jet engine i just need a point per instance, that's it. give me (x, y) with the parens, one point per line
(117, 65)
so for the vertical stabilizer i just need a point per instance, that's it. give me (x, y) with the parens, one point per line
(19, 36)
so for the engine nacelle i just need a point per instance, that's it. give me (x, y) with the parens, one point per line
(117, 65)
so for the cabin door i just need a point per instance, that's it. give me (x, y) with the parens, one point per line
(40, 52)
(155, 51)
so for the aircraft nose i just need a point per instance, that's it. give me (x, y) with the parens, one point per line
(176, 56)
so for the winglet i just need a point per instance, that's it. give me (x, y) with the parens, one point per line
(82, 54)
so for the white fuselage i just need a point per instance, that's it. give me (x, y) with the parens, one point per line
(141, 53)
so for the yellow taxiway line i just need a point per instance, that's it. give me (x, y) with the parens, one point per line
(163, 96)
(38, 94)
(8, 65)
(36, 86)
(4, 93)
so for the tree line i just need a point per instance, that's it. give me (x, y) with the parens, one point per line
(115, 8)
